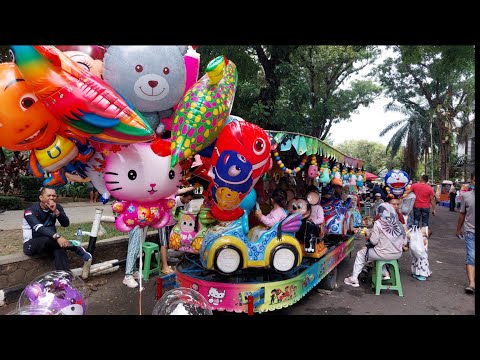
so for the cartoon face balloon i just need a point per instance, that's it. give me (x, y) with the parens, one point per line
(96, 52)
(246, 139)
(397, 181)
(143, 181)
(240, 157)
(136, 173)
(83, 102)
(86, 61)
(25, 123)
(152, 78)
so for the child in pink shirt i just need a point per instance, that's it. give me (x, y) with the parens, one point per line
(278, 200)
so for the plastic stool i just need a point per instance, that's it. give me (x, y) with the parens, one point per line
(148, 249)
(393, 284)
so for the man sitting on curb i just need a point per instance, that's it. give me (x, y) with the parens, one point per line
(40, 234)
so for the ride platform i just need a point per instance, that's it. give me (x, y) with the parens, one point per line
(259, 290)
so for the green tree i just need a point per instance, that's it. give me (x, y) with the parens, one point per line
(413, 135)
(464, 132)
(438, 78)
(317, 95)
(373, 153)
(261, 70)
(298, 88)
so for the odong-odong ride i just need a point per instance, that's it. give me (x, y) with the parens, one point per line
(240, 266)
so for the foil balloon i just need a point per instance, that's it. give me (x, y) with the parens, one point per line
(142, 181)
(204, 110)
(153, 78)
(95, 171)
(26, 124)
(85, 103)
(397, 181)
(96, 52)
(240, 157)
(86, 61)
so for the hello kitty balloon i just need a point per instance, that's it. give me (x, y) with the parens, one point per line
(142, 180)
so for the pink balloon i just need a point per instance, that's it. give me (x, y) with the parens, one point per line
(142, 181)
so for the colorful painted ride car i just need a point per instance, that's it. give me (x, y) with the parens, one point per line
(187, 234)
(230, 246)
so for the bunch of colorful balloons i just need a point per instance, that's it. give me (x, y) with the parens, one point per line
(130, 119)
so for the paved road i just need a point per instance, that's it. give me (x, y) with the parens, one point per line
(442, 294)
(78, 212)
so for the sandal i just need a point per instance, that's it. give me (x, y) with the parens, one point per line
(168, 271)
(419, 277)
(470, 290)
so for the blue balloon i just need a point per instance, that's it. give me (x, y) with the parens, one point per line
(249, 201)
(397, 181)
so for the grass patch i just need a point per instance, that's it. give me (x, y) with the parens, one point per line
(11, 240)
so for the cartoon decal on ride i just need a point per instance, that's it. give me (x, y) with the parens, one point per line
(215, 296)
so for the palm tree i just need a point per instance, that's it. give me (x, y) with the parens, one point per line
(414, 131)
(464, 133)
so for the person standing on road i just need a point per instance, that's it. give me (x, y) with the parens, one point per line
(40, 234)
(466, 219)
(453, 194)
(92, 192)
(424, 198)
(182, 202)
(406, 207)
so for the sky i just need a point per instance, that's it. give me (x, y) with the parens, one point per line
(370, 121)
(366, 125)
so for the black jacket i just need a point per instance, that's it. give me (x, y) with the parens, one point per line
(43, 222)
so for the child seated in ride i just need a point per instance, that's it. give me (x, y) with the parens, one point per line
(309, 233)
(278, 213)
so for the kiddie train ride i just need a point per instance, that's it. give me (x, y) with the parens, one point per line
(245, 268)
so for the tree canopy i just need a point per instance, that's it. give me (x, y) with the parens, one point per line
(373, 153)
(436, 82)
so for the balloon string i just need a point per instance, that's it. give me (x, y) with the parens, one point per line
(142, 239)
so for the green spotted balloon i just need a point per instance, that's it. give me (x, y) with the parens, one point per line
(205, 108)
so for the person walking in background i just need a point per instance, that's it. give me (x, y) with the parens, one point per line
(376, 203)
(466, 219)
(420, 267)
(406, 207)
(93, 193)
(452, 193)
(40, 234)
(424, 198)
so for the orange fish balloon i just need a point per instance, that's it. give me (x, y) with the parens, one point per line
(26, 124)
(85, 103)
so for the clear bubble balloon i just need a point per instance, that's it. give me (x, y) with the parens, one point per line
(31, 310)
(182, 301)
(59, 291)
